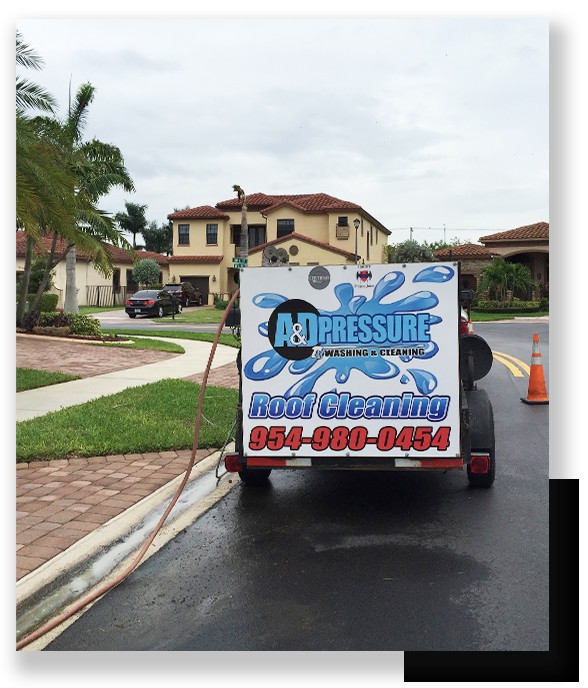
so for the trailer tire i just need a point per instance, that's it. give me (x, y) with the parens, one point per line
(482, 436)
(255, 476)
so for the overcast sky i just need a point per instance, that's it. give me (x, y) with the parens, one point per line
(423, 122)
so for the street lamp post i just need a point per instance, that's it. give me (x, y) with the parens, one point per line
(356, 225)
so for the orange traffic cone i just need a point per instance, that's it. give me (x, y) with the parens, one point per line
(537, 393)
(470, 327)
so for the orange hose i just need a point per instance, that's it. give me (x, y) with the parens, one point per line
(93, 596)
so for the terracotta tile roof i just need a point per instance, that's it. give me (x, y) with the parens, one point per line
(308, 240)
(540, 230)
(121, 255)
(117, 254)
(203, 212)
(307, 202)
(260, 202)
(464, 251)
(195, 259)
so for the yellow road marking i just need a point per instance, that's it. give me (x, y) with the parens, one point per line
(502, 358)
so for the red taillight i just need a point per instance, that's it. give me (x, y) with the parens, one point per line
(151, 302)
(480, 464)
(463, 327)
(232, 463)
(129, 303)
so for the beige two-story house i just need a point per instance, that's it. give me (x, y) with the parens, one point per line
(315, 229)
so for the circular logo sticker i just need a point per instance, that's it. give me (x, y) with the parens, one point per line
(292, 329)
(319, 277)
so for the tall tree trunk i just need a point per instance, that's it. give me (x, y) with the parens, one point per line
(24, 287)
(244, 230)
(71, 293)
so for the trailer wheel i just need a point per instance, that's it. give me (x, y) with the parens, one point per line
(482, 436)
(255, 476)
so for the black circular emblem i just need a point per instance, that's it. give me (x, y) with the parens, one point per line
(290, 329)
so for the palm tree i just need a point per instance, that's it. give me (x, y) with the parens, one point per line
(521, 278)
(43, 181)
(133, 221)
(97, 168)
(244, 228)
(502, 277)
(28, 94)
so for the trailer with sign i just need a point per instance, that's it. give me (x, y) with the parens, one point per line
(360, 368)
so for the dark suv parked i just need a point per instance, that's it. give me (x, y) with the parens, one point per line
(185, 293)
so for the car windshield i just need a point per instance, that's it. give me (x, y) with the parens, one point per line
(145, 295)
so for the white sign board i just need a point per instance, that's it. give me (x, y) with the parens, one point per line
(351, 361)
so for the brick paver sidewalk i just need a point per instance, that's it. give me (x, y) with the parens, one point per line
(59, 502)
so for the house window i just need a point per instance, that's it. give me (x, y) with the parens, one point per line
(184, 235)
(343, 222)
(212, 234)
(256, 235)
(285, 227)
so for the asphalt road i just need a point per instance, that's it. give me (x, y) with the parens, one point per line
(358, 561)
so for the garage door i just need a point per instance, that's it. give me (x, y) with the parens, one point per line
(198, 282)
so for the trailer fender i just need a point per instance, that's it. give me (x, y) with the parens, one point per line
(481, 421)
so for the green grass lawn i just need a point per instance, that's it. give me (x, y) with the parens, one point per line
(156, 417)
(489, 317)
(28, 378)
(145, 343)
(89, 310)
(225, 338)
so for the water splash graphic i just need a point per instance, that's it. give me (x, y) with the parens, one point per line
(269, 363)
(436, 273)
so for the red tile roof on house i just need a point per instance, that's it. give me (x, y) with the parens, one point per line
(117, 254)
(472, 251)
(306, 203)
(203, 212)
(121, 255)
(308, 240)
(540, 230)
(195, 259)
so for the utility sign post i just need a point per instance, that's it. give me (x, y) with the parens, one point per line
(349, 367)
(239, 263)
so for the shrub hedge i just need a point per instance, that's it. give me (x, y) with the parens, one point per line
(78, 324)
(515, 305)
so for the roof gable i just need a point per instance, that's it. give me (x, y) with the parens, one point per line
(308, 240)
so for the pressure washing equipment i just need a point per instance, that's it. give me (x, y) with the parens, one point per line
(344, 369)
(106, 588)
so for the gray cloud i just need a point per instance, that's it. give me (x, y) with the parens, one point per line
(422, 122)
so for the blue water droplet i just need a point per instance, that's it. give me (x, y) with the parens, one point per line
(263, 329)
(389, 283)
(268, 300)
(265, 365)
(404, 379)
(437, 273)
(425, 381)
